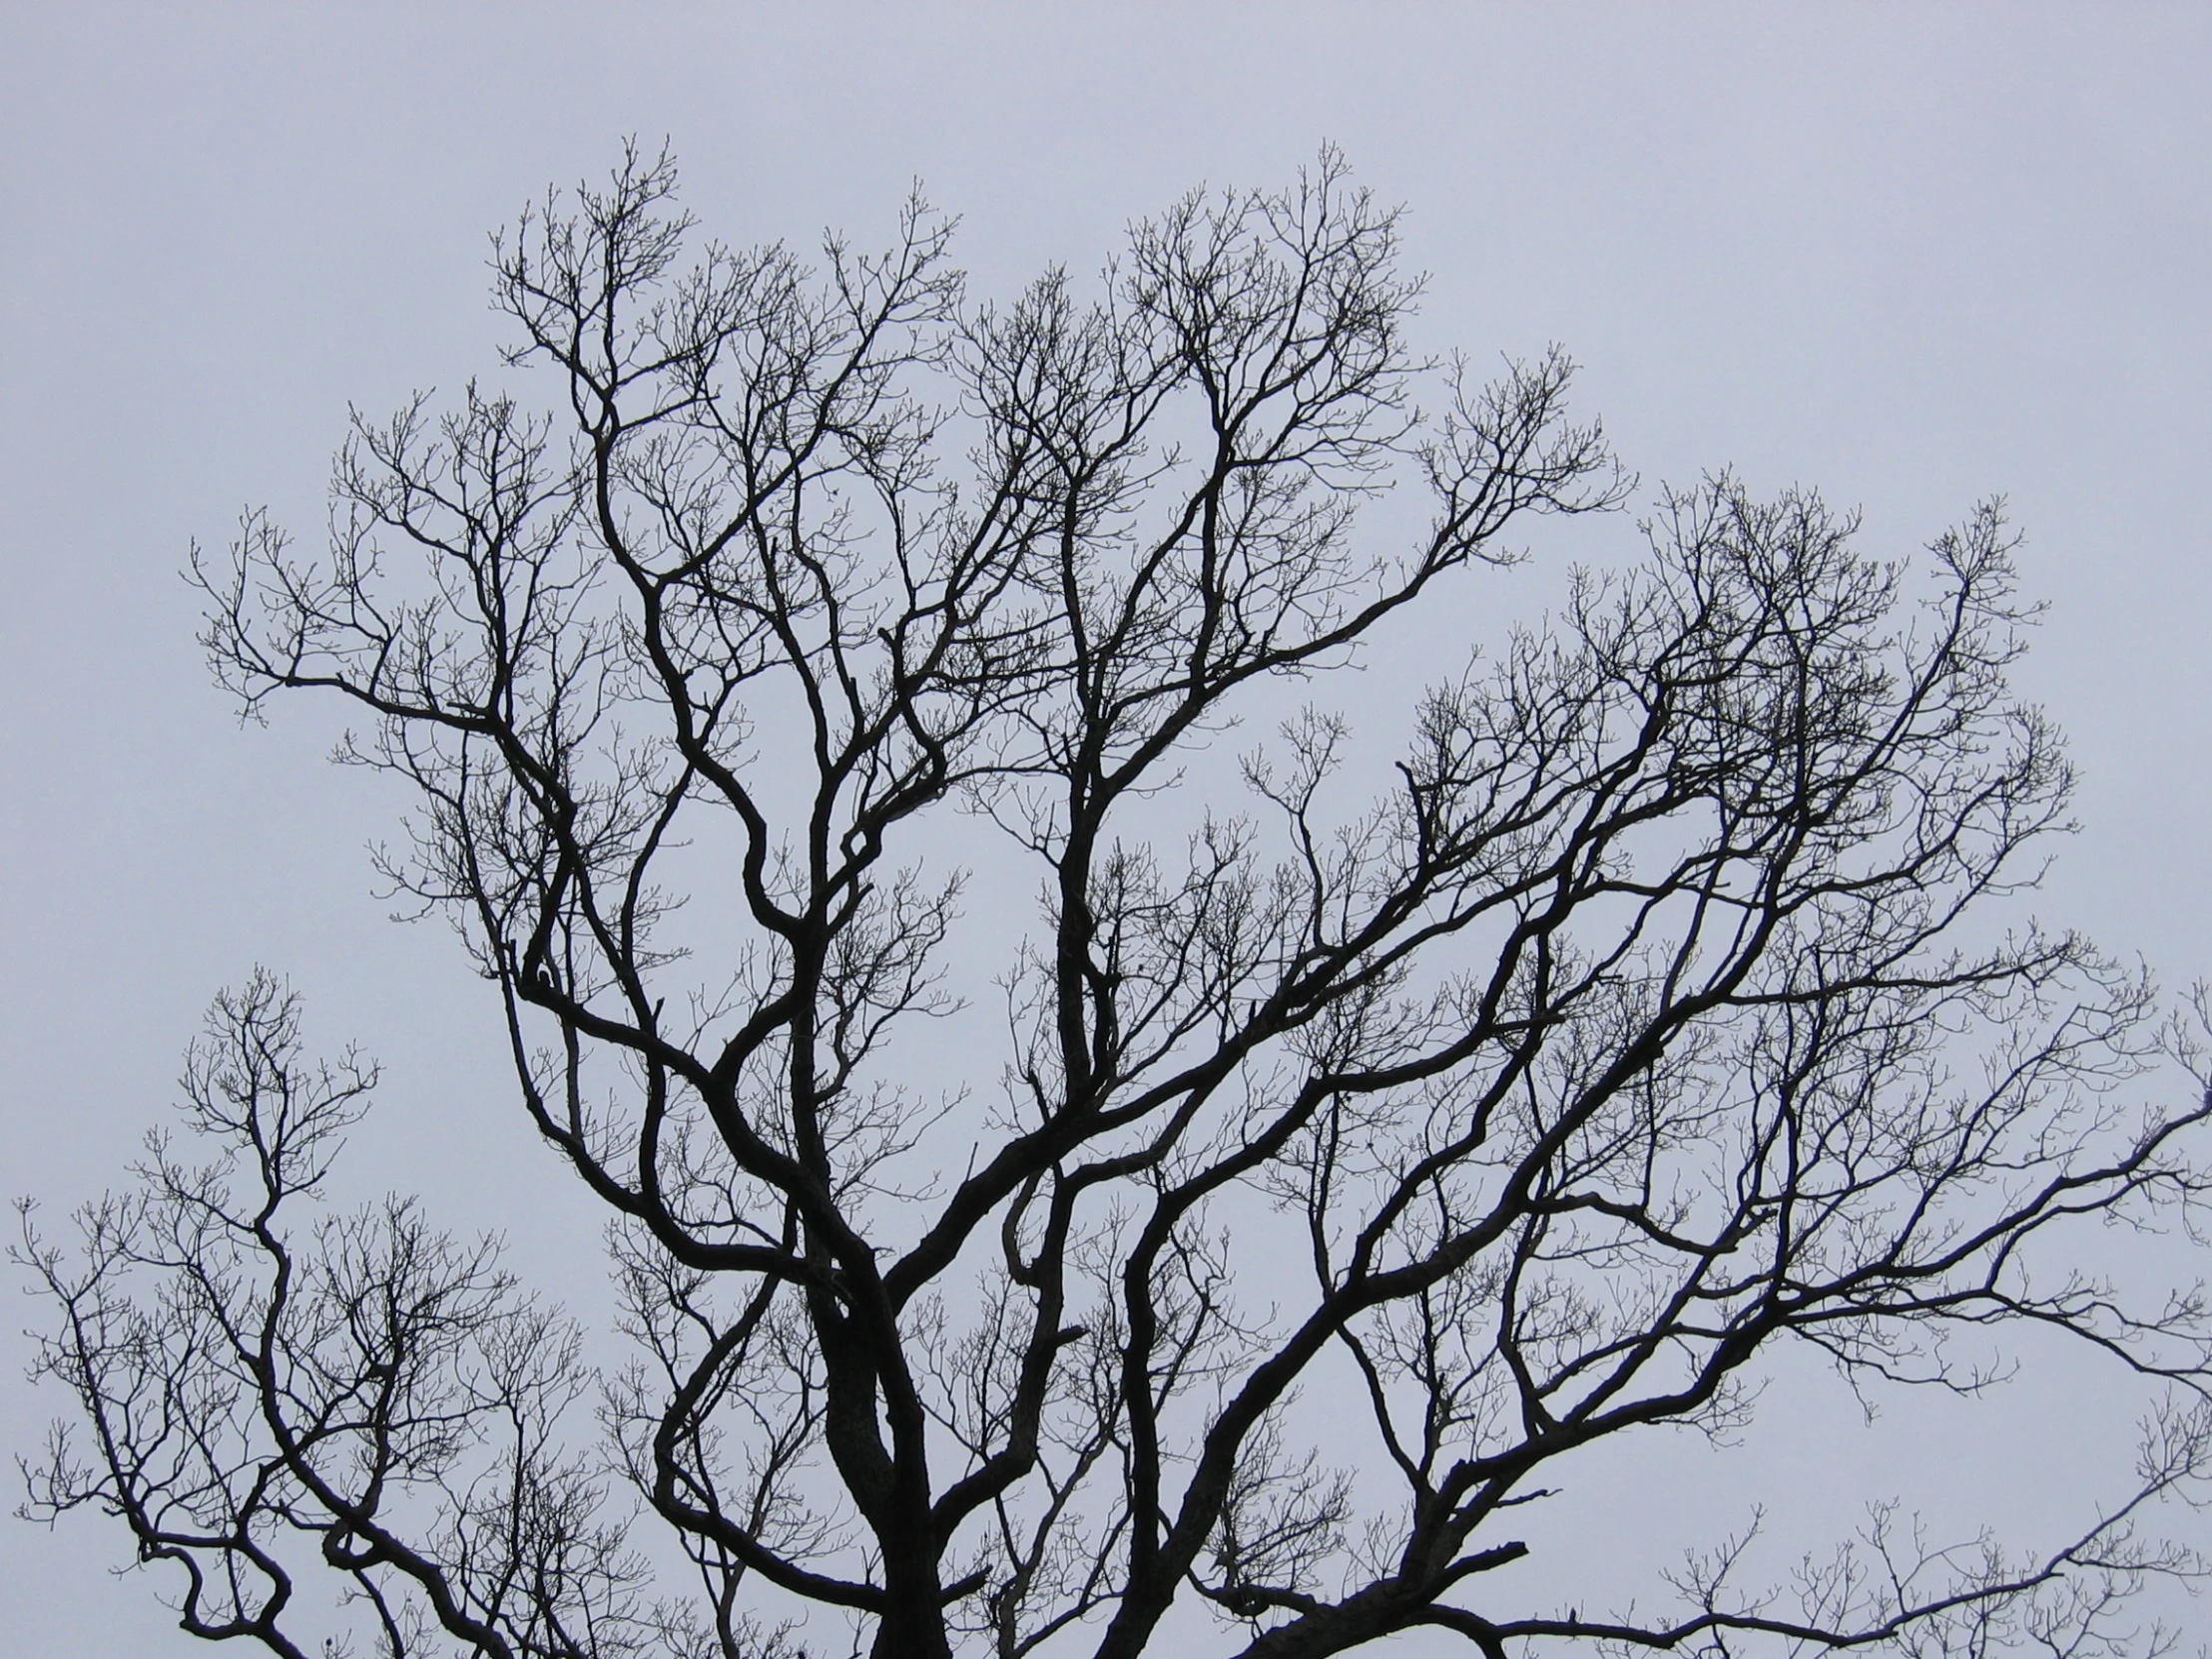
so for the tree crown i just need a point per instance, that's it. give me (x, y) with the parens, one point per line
(1612, 1047)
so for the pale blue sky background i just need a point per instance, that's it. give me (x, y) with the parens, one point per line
(1910, 254)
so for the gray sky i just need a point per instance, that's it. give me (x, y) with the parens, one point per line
(1913, 255)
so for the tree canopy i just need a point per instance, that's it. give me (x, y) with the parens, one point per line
(1364, 1144)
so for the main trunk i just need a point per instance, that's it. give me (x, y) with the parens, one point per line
(912, 1625)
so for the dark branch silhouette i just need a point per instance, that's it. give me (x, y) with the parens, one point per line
(1655, 1015)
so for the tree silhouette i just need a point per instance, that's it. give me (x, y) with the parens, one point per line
(1653, 1015)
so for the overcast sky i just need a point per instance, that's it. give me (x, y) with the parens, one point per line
(1913, 255)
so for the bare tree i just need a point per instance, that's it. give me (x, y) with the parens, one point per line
(1652, 1016)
